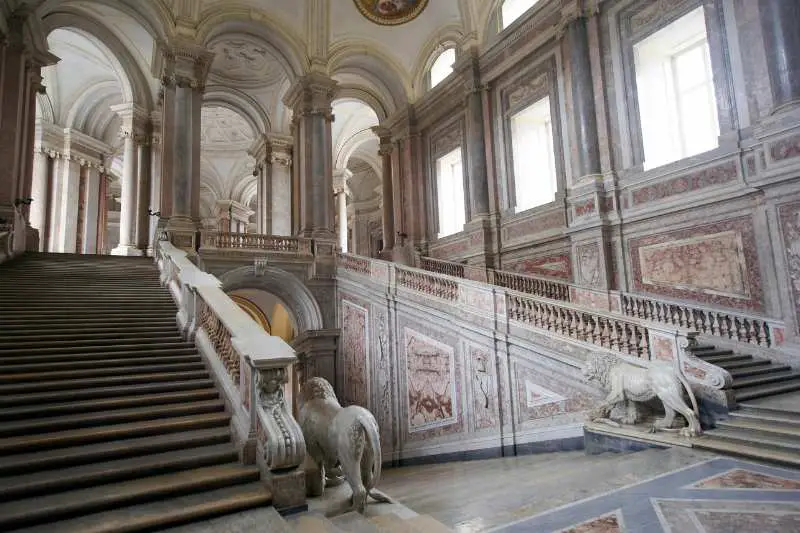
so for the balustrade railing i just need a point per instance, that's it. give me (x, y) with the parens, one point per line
(354, 263)
(431, 284)
(256, 241)
(606, 331)
(220, 337)
(447, 268)
(718, 323)
(545, 288)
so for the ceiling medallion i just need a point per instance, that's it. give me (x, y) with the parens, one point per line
(391, 12)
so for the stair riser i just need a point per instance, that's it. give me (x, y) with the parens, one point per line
(129, 333)
(78, 325)
(42, 376)
(144, 347)
(74, 509)
(63, 441)
(99, 393)
(34, 428)
(96, 317)
(767, 412)
(79, 482)
(710, 446)
(68, 385)
(763, 380)
(778, 431)
(84, 458)
(19, 344)
(758, 371)
(106, 363)
(51, 410)
(99, 356)
(760, 444)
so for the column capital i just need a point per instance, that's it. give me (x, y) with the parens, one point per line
(340, 179)
(134, 121)
(182, 63)
(280, 149)
(312, 94)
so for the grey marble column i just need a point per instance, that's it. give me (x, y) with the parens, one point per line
(40, 189)
(12, 112)
(584, 120)
(261, 198)
(127, 216)
(145, 167)
(281, 188)
(780, 26)
(476, 152)
(186, 158)
(310, 99)
(91, 211)
(67, 196)
(387, 200)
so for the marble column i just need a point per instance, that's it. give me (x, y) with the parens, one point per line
(91, 211)
(263, 198)
(280, 186)
(340, 178)
(185, 215)
(40, 188)
(310, 100)
(584, 119)
(145, 167)
(156, 185)
(476, 145)
(67, 197)
(780, 26)
(127, 216)
(387, 203)
(166, 149)
(12, 114)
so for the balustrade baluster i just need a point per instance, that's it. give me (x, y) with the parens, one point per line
(763, 339)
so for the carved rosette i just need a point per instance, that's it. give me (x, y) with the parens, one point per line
(284, 447)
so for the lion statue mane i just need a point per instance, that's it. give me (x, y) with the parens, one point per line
(627, 384)
(340, 437)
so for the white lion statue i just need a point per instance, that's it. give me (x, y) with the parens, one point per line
(337, 436)
(627, 384)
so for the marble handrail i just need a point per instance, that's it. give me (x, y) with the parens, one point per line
(255, 241)
(726, 324)
(427, 283)
(249, 366)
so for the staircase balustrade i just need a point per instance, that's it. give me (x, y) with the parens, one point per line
(430, 284)
(250, 367)
(715, 322)
(255, 241)
(354, 263)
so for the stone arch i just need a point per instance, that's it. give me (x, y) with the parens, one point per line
(76, 20)
(364, 60)
(447, 37)
(241, 103)
(154, 16)
(285, 286)
(382, 109)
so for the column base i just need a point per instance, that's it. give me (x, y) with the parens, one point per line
(127, 250)
(182, 224)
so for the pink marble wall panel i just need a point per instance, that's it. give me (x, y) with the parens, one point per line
(662, 348)
(532, 226)
(588, 259)
(480, 299)
(542, 395)
(589, 298)
(785, 148)
(355, 354)
(552, 266)
(585, 208)
(715, 264)
(382, 379)
(484, 389)
(430, 382)
(701, 179)
(789, 215)
(453, 249)
(244, 389)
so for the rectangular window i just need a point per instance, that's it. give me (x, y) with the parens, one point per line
(675, 86)
(533, 156)
(450, 192)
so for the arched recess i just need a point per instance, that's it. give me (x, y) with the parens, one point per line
(381, 108)
(364, 59)
(75, 19)
(243, 104)
(232, 19)
(253, 310)
(447, 37)
(153, 15)
(285, 286)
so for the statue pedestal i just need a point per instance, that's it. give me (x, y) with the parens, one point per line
(288, 491)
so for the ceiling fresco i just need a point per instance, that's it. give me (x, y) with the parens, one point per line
(391, 12)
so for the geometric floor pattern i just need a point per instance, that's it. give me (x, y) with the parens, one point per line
(721, 495)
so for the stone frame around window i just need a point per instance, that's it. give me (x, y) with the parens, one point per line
(514, 94)
(441, 141)
(631, 21)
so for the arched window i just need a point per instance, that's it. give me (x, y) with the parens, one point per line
(442, 66)
(511, 10)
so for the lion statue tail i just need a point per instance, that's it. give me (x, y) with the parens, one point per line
(372, 457)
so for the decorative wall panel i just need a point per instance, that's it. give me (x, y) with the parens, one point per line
(716, 264)
(430, 382)
(355, 354)
(789, 215)
(540, 394)
(484, 389)
(382, 378)
(553, 266)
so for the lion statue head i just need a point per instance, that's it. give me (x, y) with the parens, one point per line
(597, 367)
(317, 389)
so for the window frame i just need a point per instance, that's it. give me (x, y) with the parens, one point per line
(501, 26)
(440, 50)
(436, 181)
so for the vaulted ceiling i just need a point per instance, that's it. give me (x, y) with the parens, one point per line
(107, 50)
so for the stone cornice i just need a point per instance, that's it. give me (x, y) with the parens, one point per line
(58, 142)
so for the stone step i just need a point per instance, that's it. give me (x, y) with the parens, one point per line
(132, 345)
(786, 444)
(107, 418)
(41, 410)
(84, 454)
(32, 327)
(759, 410)
(76, 477)
(761, 427)
(721, 359)
(104, 392)
(74, 437)
(747, 363)
(20, 319)
(766, 380)
(105, 381)
(97, 370)
(25, 368)
(132, 332)
(715, 352)
(708, 442)
(63, 505)
(95, 356)
(760, 391)
(391, 523)
(156, 515)
(110, 342)
(740, 373)
(786, 418)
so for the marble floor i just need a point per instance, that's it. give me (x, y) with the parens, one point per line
(673, 490)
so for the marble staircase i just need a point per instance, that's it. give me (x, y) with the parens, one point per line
(766, 423)
(109, 420)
